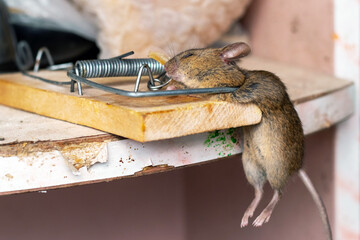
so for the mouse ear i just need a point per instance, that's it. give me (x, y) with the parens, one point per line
(235, 51)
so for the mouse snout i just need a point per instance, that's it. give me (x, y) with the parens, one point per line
(170, 67)
(172, 70)
(166, 66)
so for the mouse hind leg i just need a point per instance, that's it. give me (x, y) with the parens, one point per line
(265, 215)
(277, 180)
(256, 176)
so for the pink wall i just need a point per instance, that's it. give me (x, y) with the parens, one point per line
(299, 32)
(148, 207)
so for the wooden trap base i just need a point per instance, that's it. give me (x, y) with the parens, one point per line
(141, 119)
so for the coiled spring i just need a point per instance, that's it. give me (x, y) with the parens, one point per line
(115, 67)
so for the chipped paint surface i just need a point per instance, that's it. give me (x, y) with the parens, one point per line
(84, 154)
(42, 170)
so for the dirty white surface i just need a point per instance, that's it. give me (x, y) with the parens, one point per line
(103, 161)
(20, 126)
(119, 159)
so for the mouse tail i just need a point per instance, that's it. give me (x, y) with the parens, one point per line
(318, 201)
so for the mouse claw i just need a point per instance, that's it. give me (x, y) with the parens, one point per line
(264, 217)
(244, 222)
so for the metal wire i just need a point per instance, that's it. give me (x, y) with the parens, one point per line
(71, 74)
(115, 67)
(39, 56)
(61, 66)
(25, 53)
(151, 78)
(162, 81)
(24, 57)
(45, 79)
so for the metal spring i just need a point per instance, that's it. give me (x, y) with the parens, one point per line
(115, 67)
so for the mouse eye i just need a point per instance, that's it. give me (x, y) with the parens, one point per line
(187, 55)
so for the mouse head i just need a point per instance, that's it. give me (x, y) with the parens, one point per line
(208, 67)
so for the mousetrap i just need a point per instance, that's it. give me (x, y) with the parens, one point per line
(111, 95)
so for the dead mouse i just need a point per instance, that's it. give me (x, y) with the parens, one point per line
(273, 149)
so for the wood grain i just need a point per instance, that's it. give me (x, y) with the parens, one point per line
(144, 119)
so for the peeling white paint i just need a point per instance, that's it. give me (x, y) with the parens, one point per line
(84, 155)
(120, 158)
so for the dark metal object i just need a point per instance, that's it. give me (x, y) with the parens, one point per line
(9, 58)
(64, 46)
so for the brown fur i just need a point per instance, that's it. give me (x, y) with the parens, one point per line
(203, 69)
(276, 144)
(274, 148)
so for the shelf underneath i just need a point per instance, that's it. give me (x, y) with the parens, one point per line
(38, 153)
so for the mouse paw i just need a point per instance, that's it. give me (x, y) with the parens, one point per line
(264, 217)
(245, 220)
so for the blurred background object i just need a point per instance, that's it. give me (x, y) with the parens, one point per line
(74, 29)
(54, 24)
(172, 26)
(7, 47)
